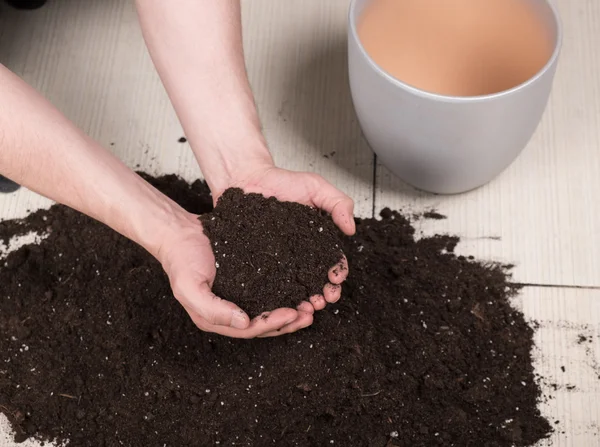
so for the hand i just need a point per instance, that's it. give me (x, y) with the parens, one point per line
(312, 190)
(187, 257)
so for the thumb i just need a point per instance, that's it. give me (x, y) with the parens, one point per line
(214, 310)
(341, 207)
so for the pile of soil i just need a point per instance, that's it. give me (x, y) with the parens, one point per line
(423, 349)
(269, 254)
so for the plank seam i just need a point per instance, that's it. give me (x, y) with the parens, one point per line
(555, 286)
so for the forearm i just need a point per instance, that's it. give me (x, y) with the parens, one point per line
(42, 150)
(197, 49)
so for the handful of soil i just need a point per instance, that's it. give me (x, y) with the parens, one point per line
(269, 254)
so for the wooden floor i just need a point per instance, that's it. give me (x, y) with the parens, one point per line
(542, 214)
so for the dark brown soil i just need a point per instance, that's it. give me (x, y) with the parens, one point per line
(269, 254)
(423, 349)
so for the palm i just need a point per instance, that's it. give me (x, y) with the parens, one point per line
(189, 261)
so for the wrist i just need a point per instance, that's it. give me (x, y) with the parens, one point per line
(167, 244)
(167, 229)
(157, 219)
(232, 166)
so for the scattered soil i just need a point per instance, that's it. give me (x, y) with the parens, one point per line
(423, 349)
(182, 140)
(433, 215)
(270, 254)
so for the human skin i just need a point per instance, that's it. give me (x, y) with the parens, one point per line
(197, 50)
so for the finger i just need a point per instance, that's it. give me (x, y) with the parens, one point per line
(305, 306)
(304, 319)
(339, 272)
(318, 302)
(264, 323)
(341, 207)
(268, 322)
(200, 299)
(332, 292)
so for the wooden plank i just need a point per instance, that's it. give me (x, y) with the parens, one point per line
(92, 63)
(565, 316)
(542, 213)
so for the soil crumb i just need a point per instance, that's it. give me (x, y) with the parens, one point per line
(269, 254)
(434, 215)
(423, 349)
(582, 339)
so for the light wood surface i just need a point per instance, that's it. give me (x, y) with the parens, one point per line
(542, 213)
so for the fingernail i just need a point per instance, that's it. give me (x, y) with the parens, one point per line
(239, 319)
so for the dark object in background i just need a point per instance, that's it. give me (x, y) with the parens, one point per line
(26, 4)
(7, 186)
